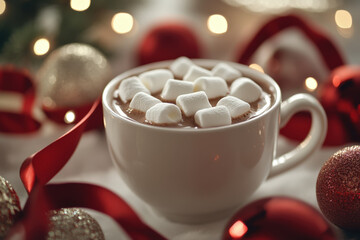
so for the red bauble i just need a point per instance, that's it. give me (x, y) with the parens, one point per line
(341, 94)
(168, 41)
(341, 101)
(338, 188)
(278, 218)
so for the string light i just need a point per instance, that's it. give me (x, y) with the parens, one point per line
(41, 46)
(69, 117)
(2, 6)
(80, 5)
(256, 67)
(311, 84)
(343, 19)
(122, 22)
(217, 24)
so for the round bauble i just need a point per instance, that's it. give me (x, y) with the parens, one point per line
(279, 218)
(167, 41)
(73, 223)
(9, 207)
(72, 75)
(338, 188)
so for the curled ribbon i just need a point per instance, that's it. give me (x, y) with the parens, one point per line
(327, 49)
(37, 170)
(19, 82)
(298, 126)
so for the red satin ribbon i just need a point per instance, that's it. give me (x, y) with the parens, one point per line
(82, 195)
(42, 166)
(327, 49)
(298, 126)
(18, 81)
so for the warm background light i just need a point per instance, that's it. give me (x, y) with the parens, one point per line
(41, 46)
(256, 67)
(69, 117)
(343, 19)
(217, 24)
(2, 6)
(80, 5)
(122, 23)
(311, 83)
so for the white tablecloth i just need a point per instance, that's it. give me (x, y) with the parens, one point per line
(91, 163)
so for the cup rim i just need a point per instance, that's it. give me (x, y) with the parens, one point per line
(247, 71)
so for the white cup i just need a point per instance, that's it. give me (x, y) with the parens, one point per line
(198, 175)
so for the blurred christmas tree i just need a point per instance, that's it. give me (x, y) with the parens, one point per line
(22, 22)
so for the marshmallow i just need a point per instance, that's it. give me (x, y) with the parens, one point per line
(236, 106)
(245, 89)
(129, 87)
(154, 80)
(195, 72)
(180, 66)
(226, 72)
(163, 113)
(192, 102)
(174, 88)
(142, 101)
(213, 86)
(213, 117)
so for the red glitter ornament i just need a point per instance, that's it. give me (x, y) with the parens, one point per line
(278, 218)
(341, 94)
(168, 41)
(338, 188)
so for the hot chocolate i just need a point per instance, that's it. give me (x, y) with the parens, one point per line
(185, 88)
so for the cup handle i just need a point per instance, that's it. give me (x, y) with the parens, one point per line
(315, 138)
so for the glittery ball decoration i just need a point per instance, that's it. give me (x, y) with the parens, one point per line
(340, 99)
(71, 76)
(278, 218)
(338, 188)
(9, 207)
(73, 223)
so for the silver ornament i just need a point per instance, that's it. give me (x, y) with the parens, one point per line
(71, 76)
(73, 223)
(9, 207)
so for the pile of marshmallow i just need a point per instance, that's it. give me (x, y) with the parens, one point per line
(190, 96)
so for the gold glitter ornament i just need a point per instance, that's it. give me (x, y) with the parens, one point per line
(338, 188)
(9, 207)
(71, 76)
(73, 223)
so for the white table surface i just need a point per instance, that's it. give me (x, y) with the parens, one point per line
(91, 163)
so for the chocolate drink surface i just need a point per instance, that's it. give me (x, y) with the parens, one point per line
(262, 103)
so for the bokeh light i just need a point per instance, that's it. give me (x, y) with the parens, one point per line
(311, 84)
(122, 22)
(238, 230)
(80, 5)
(2, 6)
(256, 67)
(41, 46)
(343, 19)
(217, 24)
(69, 117)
